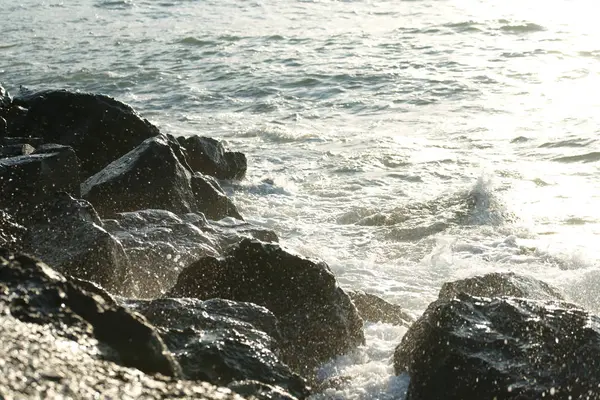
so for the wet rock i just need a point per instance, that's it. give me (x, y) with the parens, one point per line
(5, 98)
(160, 244)
(375, 309)
(68, 234)
(221, 341)
(498, 284)
(11, 233)
(505, 348)
(208, 156)
(30, 291)
(260, 390)
(10, 140)
(27, 180)
(316, 317)
(99, 128)
(15, 150)
(3, 127)
(212, 200)
(150, 176)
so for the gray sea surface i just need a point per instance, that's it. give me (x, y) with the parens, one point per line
(405, 143)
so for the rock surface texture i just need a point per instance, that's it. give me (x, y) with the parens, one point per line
(498, 284)
(222, 342)
(504, 348)
(160, 244)
(99, 128)
(208, 156)
(68, 234)
(317, 318)
(27, 180)
(375, 309)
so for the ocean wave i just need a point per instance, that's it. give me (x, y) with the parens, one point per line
(526, 27)
(115, 4)
(584, 158)
(192, 41)
(577, 142)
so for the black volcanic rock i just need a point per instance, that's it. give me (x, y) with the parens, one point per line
(499, 284)
(68, 233)
(317, 318)
(503, 348)
(26, 181)
(150, 176)
(208, 156)
(160, 244)
(33, 292)
(99, 128)
(212, 200)
(375, 309)
(221, 341)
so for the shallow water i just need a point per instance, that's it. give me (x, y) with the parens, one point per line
(406, 143)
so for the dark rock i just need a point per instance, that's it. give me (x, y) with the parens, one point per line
(32, 141)
(3, 127)
(15, 116)
(317, 318)
(221, 341)
(375, 309)
(15, 150)
(504, 348)
(160, 244)
(212, 201)
(150, 176)
(26, 181)
(5, 98)
(68, 234)
(260, 391)
(11, 233)
(33, 292)
(498, 284)
(208, 156)
(99, 128)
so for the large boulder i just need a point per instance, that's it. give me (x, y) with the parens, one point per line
(317, 318)
(149, 176)
(375, 309)
(221, 341)
(68, 234)
(497, 284)
(26, 181)
(99, 128)
(208, 156)
(33, 292)
(160, 244)
(504, 348)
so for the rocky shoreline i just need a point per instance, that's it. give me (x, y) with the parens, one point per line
(127, 272)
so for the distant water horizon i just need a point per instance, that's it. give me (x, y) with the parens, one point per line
(405, 143)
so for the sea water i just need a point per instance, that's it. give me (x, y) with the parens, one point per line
(405, 143)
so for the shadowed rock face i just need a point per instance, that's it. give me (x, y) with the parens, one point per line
(150, 176)
(30, 291)
(68, 234)
(375, 309)
(317, 318)
(221, 341)
(208, 156)
(498, 284)
(100, 129)
(26, 181)
(505, 348)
